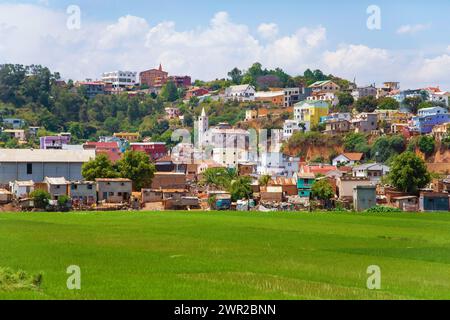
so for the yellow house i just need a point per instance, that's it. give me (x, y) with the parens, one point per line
(129, 136)
(310, 112)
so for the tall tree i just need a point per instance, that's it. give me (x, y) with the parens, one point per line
(100, 167)
(235, 76)
(409, 173)
(169, 92)
(136, 166)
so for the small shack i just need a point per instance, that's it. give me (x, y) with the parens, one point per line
(364, 197)
(433, 201)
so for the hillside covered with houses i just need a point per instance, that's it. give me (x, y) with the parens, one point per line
(257, 140)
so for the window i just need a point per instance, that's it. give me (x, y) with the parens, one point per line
(29, 168)
(89, 187)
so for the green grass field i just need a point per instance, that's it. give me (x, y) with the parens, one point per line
(229, 255)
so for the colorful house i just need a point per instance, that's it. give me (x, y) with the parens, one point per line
(305, 182)
(310, 112)
(427, 118)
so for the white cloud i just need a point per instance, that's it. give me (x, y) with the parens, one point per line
(129, 29)
(34, 34)
(360, 61)
(268, 30)
(434, 70)
(413, 29)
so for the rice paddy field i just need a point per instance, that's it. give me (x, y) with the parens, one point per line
(224, 255)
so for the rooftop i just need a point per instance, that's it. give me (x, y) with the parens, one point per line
(49, 156)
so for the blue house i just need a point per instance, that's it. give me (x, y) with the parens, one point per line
(427, 118)
(305, 182)
(14, 123)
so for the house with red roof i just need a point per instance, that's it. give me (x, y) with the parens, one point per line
(110, 149)
(349, 158)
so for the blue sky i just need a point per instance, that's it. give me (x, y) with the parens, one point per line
(423, 44)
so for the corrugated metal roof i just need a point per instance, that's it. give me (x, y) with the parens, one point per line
(56, 181)
(38, 155)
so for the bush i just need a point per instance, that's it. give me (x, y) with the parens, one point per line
(40, 198)
(382, 209)
(20, 280)
(63, 201)
(427, 145)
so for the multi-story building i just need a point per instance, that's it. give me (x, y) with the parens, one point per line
(365, 123)
(325, 86)
(54, 142)
(14, 123)
(18, 134)
(181, 81)
(273, 97)
(120, 79)
(292, 126)
(196, 92)
(427, 118)
(154, 77)
(224, 144)
(244, 92)
(310, 112)
(277, 164)
(338, 126)
(36, 164)
(155, 150)
(91, 88)
(362, 92)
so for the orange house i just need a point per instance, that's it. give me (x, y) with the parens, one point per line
(273, 97)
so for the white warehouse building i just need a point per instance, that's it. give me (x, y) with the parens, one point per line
(36, 164)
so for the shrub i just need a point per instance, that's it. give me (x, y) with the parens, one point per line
(382, 209)
(40, 198)
(20, 280)
(63, 201)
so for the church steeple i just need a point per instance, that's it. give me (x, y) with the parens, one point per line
(203, 126)
(160, 67)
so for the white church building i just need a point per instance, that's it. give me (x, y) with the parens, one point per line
(223, 143)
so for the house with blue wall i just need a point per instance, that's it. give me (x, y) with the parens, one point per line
(427, 118)
(305, 182)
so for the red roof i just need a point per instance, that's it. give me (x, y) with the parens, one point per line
(113, 156)
(354, 156)
(318, 169)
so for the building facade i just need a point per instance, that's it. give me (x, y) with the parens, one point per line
(26, 164)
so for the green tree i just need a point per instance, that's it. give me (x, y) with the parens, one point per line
(388, 103)
(366, 104)
(100, 167)
(169, 92)
(409, 173)
(264, 180)
(40, 198)
(218, 177)
(427, 145)
(136, 166)
(356, 142)
(346, 100)
(322, 190)
(240, 188)
(235, 76)
(385, 147)
(412, 103)
(425, 104)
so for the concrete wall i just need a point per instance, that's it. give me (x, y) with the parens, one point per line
(18, 171)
